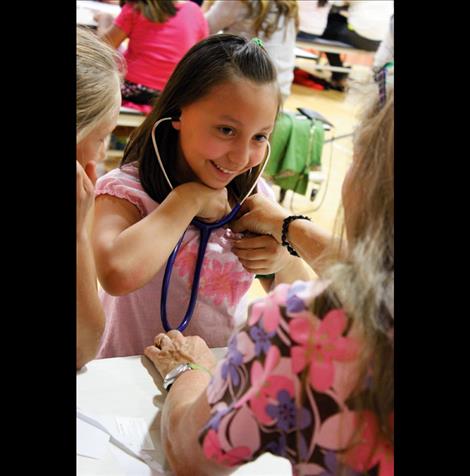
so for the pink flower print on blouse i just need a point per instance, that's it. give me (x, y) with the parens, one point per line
(360, 456)
(268, 309)
(185, 262)
(265, 386)
(321, 344)
(212, 450)
(221, 281)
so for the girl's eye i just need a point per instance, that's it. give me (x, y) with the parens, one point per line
(226, 131)
(261, 138)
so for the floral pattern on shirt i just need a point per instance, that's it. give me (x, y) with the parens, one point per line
(223, 279)
(284, 388)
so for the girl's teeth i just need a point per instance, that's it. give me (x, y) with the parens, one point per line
(224, 170)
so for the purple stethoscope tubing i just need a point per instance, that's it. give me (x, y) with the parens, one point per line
(205, 230)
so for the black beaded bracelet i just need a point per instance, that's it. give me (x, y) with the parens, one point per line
(285, 226)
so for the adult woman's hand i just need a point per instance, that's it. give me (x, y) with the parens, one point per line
(172, 349)
(262, 216)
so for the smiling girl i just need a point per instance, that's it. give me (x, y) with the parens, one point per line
(216, 114)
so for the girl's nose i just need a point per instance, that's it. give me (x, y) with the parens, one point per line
(239, 156)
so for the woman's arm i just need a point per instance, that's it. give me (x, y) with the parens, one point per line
(186, 408)
(130, 250)
(264, 216)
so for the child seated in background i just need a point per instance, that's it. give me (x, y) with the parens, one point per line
(275, 22)
(160, 32)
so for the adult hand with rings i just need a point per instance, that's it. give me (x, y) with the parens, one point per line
(172, 348)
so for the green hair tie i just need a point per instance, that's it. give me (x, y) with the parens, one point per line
(258, 41)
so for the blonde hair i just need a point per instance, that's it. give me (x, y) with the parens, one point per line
(258, 11)
(363, 280)
(98, 79)
(155, 10)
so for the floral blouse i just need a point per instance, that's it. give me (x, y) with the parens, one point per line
(284, 388)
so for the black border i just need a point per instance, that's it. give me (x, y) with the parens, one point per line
(38, 106)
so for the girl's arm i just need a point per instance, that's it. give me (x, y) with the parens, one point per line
(113, 35)
(130, 250)
(90, 317)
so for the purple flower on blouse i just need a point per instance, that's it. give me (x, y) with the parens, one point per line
(232, 361)
(293, 302)
(214, 422)
(286, 414)
(261, 338)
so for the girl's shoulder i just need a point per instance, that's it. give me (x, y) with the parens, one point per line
(126, 173)
(124, 182)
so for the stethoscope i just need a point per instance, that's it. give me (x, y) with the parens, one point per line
(205, 230)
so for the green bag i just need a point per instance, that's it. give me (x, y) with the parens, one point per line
(296, 148)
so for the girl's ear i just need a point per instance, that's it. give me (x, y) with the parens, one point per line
(176, 124)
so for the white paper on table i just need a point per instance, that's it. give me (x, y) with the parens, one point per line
(134, 432)
(91, 441)
(132, 466)
(108, 425)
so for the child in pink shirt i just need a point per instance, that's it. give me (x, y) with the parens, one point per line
(159, 33)
(214, 117)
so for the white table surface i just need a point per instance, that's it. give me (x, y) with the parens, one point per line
(132, 387)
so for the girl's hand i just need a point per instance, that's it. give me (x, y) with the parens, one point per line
(262, 216)
(213, 204)
(172, 349)
(85, 197)
(261, 254)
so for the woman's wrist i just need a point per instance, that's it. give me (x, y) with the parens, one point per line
(276, 232)
(285, 231)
